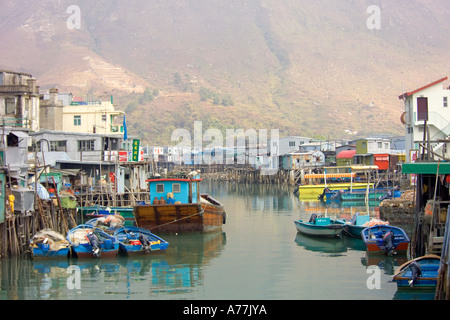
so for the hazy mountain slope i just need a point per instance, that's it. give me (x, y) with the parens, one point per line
(304, 67)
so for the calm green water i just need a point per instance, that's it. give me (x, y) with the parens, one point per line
(257, 256)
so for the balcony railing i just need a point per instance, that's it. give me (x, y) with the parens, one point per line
(15, 89)
(15, 122)
(117, 128)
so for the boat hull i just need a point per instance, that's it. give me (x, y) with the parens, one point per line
(354, 231)
(332, 230)
(373, 239)
(41, 251)
(361, 195)
(178, 218)
(314, 191)
(130, 245)
(429, 267)
(81, 248)
(85, 252)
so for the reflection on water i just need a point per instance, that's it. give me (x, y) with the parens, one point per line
(176, 271)
(258, 255)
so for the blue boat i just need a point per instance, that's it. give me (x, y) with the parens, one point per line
(49, 244)
(134, 240)
(108, 224)
(379, 194)
(385, 239)
(319, 226)
(419, 273)
(89, 242)
(358, 223)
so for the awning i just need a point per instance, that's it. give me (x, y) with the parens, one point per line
(426, 168)
(329, 175)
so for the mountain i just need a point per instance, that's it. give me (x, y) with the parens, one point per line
(309, 68)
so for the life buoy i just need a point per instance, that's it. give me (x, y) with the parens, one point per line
(403, 118)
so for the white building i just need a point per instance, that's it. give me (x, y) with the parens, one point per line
(63, 112)
(19, 100)
(288, 144)
(428, 104)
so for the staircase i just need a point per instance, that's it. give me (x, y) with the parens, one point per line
(435, 245)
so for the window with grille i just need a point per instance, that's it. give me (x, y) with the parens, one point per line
(58, 145)
(159, 188)
(86, 145)
(176, 188)
(10, 106)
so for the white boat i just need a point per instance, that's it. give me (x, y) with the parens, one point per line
(319, 226)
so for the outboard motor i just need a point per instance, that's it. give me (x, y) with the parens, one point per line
(337, 195)
(145, 243)
(353, 219)
(416, 273)
(388, 195)
(312, 219)
(323, 193)
(388, 243)
(95, 243)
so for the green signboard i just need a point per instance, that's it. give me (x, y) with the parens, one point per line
(136, 143)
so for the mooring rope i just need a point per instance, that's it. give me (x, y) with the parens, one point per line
(178, 220)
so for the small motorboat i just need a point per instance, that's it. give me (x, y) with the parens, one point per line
(385, 239)
(358, 223)
(88, 242)
(134, 240)
(108, 224)
(49, 244)
(418, 273)
(319, 226)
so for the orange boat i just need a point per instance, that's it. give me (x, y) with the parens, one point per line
(179, 207)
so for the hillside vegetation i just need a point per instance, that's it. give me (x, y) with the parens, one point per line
(310, 68)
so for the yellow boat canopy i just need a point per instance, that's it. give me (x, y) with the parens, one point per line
(329, 175)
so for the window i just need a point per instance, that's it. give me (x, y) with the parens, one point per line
(104, 117)
(58, 145)
(86, 145)
(291, 143)
(176, 188)
(445, 102)
(380, 145)
(10, 104)
(159, 188)
(77, 120)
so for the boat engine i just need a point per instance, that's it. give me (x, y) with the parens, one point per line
(337, 195)
(353, 219)
(388, 195)
(321, 196)
(95, 243)
(388, 243)
(146, 247)
(313, 218)
(416, 273)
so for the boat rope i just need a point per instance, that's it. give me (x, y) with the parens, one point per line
(178, 220)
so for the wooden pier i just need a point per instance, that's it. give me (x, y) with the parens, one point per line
(244, 174)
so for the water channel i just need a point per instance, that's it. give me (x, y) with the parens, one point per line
(258, 256)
